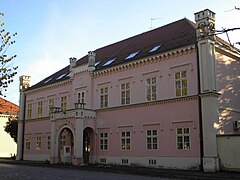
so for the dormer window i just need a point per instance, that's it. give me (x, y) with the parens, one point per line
(132, 55)
(61, 76)
(110, 61)
(155, 48)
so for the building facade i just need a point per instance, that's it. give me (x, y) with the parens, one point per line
(8, 147)
(157, 99)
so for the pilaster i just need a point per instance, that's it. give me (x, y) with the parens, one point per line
(205, 29)
(24, 84)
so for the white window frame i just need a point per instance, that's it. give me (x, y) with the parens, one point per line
(81, 97)
(151, 85)
(125, 146)
(28, 143)
(104, 91)
(182, 135)
(181, 80)
(50, 104)
(38, 143)
(29, 110)
(125, 89)
(64, 103)
(40, 109)
(152, 137)
(103, 141)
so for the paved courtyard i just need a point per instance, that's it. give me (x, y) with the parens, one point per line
(23, 172)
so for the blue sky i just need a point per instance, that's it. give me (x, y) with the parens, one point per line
(52, 31)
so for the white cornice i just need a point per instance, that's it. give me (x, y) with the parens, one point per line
(227, 51)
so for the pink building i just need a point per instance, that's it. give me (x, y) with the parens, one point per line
(157, 99)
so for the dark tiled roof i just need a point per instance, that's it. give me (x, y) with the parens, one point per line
(174, 35)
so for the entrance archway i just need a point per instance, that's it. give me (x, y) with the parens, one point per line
(87, 144)
(66, 145)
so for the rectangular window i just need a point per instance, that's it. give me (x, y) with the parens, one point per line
(64, 103)
(151, 89)
(48, 142)
(125, 93)
(38, 143)
(81, 97)
(126, 140)
(104, 97)
(40, 108)
(50, 105)
(104, 141)
(181, 84)
(152, 139)
(28, 143)
(29, 111)
(183, 138)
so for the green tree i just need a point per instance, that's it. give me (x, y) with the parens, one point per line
(7, 71)
(12, 127)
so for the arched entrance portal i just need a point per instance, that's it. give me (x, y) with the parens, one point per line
(66, 146)
(87, 144)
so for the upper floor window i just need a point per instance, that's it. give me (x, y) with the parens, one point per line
(104, 141)
(183, 138)
(81, 97)
(126, 140)
(64, 103)
(151, 89)
(29, 111)
(104, 97)
(152, 139)
(181, 84)
(40, 108)
(125, 93)
(50, 104)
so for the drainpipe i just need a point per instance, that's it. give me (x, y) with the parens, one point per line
(200, 111)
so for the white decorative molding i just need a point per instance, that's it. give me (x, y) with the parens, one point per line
(183, 121)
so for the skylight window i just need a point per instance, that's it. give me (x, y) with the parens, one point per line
(48, 80)
(61, 76)
(97, 63)
(132, 55)
(155, 48)
(110, 61)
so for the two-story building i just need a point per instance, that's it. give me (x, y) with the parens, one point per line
(156, 99)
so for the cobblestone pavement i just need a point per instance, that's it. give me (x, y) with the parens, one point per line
(22, 172)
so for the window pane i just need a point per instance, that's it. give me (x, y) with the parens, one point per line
(148, 132)
(179, 130)
(177, 75)
(154, 132)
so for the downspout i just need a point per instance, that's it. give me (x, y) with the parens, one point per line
(200, 111)
(23, 122)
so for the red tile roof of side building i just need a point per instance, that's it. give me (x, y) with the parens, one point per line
(7, 107)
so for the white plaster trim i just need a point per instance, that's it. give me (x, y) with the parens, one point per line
(152, 124)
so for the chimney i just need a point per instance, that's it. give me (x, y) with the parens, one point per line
(91, 60)
(72, 61)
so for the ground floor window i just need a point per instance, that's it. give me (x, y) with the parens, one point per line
(28, 143)
(183, 138)
(126, 141)
(104, 141)
(152, 139)
(38, 143)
